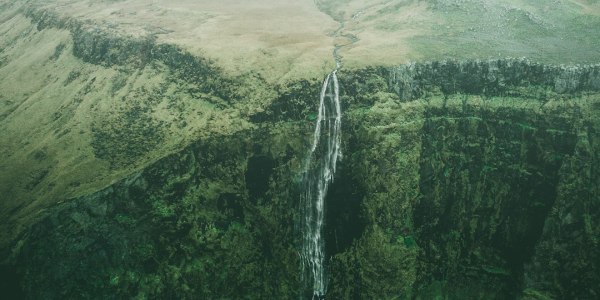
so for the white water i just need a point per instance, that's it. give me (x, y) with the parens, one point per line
(318, 174)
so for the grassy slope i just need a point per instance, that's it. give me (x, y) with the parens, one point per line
(69, 127)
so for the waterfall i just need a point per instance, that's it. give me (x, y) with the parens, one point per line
(318, 174)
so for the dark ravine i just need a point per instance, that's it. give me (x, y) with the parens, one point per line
(460, 179)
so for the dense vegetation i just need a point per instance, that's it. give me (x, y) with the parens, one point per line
(460, 180)
(441, 192)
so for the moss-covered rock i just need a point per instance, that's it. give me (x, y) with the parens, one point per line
(451, 186)
(191, 225)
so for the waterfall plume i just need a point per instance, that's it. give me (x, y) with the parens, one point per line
(318, 174)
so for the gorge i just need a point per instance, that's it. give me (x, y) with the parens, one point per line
(134, 167)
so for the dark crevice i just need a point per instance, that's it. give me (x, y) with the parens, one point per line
(343, 220)
(10, 283)
(232, 206)
(260, 169)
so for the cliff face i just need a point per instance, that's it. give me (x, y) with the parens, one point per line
(446, 188)
(161, 176)
(478, 172)
(211, 221)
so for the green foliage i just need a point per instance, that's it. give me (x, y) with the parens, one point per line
(376, 267)
(162, 209)
(133, 122)
(184, 228)
(454, 191)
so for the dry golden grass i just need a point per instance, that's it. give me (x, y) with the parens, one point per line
(276, 38)
(286, 40)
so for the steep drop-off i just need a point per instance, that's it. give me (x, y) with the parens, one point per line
(158, 175)
(469, 180)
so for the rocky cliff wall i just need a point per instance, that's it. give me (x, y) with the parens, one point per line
(213, 221)
(453, 194)
(489, 77)
(460, 179)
